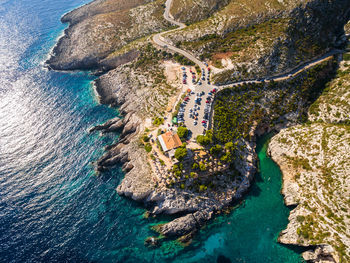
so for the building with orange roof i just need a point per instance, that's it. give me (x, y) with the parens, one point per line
(169, 141)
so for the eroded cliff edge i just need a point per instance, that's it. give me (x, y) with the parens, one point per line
(114, 36)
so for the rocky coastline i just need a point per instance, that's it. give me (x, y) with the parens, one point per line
(125, 87)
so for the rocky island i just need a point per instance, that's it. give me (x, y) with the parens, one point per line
(187, 145)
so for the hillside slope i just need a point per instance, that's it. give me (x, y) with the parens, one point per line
(96, 33)
(259, 38)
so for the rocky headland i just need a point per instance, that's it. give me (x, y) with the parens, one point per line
(114, 37)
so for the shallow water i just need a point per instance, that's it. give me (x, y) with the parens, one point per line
(52, 206)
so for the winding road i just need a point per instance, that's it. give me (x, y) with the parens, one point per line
(206, 87)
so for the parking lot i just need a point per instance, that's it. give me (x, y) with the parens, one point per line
(196, 107)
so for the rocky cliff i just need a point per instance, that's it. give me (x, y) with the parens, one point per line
(314, 159)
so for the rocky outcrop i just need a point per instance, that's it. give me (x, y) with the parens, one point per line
(109, 126)
(186, 224)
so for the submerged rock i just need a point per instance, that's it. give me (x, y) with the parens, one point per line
(152, 242)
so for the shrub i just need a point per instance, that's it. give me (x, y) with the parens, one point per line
(148, 147)
(158, 121)
(202, 188)
(195, 166)
(300, 219)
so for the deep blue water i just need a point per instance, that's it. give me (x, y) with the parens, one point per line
(53, 208)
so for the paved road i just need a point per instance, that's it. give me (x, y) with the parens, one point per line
(205, 87)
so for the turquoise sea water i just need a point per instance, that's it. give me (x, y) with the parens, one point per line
(52, 206)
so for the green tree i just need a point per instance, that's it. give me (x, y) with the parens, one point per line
(202, 166)
(203, 140)
(209, 134)
(182, 132)
(148, 147)
(180, 153)
(216, 149)
(229, 146)
(195, 166)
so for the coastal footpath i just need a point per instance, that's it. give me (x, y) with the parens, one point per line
(115, 38)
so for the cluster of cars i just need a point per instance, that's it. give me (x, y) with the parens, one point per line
(194, 114)
(184, 75)
(193, 76)
(203, 75)
(198, 98)
(181, 114)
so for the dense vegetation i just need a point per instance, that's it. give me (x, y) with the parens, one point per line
(237, 109)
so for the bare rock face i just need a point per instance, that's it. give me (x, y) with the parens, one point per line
(322, 254)
(184, 225)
